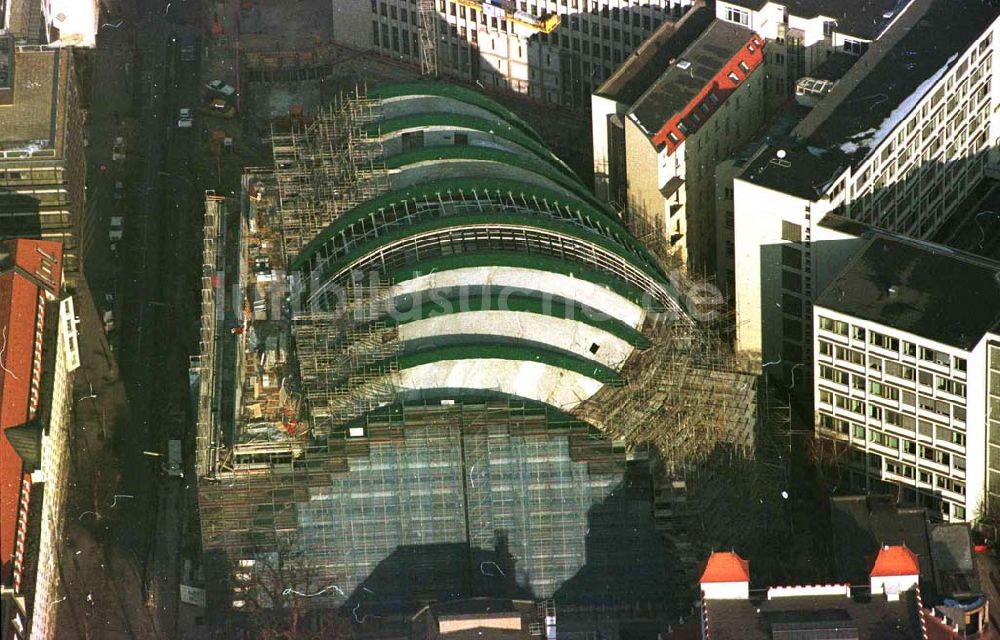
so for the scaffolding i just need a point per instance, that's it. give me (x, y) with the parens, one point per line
(327, 167)
(684, 396)
(438, 498)
(348, 356)
(428, 30)
(203, 366)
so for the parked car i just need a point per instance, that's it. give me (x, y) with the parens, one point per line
(219, 86)
(117, 228)
(219, 107)
(184, 119)
(119, 190)
(118, 151)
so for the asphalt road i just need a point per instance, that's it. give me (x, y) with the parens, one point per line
(126, 523)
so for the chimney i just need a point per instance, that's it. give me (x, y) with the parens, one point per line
(726, 577)
(896, 570)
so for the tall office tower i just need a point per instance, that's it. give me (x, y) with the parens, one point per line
(453, 372)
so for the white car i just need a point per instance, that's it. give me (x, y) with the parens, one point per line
(184, 119)
(117, 228)
(220, 87)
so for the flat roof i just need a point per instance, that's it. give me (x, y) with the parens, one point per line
(792, 169)
(861, 19)
(863, 617)
(954, 567)
(676, 87)
(645, 65)
(928, 290)
(35, 120)
(892, 87)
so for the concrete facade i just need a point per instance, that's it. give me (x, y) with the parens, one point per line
(928, 143)
(557, 52)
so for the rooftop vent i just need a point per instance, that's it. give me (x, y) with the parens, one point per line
(684, 64)
(892, 292)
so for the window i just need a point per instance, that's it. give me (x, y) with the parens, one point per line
(462, 138)
(854, 46)
(791, 232)
(413, 140)
(733, 77)
(858, 333)
(672, 137)
(884, 341)
(791, 256)
(828, 28)
(834, 326)
(743, 67)
(739, 17)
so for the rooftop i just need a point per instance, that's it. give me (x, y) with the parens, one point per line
(865, 19)
(893, 81)
(794, 170)
(645, 65)
(679, 84)
(924, 289)
(895, 560)
(34, 121)
(725, 567)
(862, 525)
(954, 567)
(861, 617)
(22, 262)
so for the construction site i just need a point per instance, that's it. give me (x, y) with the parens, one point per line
(433, 366)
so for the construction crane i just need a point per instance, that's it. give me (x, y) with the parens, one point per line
(428, 38)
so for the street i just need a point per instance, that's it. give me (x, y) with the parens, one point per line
(126, 522)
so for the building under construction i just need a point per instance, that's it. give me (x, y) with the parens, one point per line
(442, 368)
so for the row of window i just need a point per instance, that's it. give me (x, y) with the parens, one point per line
(909, 401)
(876, 365)
(890, 343)
(860, 435)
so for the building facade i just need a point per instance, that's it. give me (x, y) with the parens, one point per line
(557, 51)
(900, 163)
(42, 164)
(39, 359)
(684, 122)
(459, 334)
(906, 383)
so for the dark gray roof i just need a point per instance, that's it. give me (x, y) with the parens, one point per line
(861, 525)
(643, 67)
(921, 288)
(947, 28)
(860, 18)
(799, 173)
(845, 225)
(954, 569)
(870, 617)
(676, 87)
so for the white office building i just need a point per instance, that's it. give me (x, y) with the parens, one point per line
(906, 372)
(896, 144)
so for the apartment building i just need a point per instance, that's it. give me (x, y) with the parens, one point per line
(40, 356)
(42, 164)
(895, 144)
(557, 51)
(685, 120)
(906, 372)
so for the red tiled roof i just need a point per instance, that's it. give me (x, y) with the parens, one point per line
(895, 561)
(33, 267)
(725, 567)
(41, 259)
